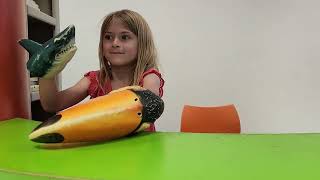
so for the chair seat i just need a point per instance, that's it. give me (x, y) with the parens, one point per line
(220, 119)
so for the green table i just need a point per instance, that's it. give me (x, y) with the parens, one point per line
(161, 156)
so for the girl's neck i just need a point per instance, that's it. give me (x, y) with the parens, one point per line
(123, 74)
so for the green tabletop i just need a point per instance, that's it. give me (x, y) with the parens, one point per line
(161, 156)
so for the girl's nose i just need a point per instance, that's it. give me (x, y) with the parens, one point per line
(115, 43)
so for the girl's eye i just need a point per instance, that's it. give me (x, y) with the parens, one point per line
(108, 37)
(125, 37)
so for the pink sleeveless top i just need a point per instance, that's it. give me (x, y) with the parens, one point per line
(96, 90)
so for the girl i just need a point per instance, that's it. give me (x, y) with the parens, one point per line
(127, 57)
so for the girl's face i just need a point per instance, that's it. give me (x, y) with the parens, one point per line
(120, 45)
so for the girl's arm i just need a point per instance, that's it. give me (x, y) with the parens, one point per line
(53, 101)
(152, 82)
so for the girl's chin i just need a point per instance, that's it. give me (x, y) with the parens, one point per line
(122, 63)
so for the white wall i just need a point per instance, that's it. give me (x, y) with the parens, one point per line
(262, 56)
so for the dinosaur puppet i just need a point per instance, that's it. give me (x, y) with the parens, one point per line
(48, 59)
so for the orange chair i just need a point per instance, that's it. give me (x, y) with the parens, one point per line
(221, 119)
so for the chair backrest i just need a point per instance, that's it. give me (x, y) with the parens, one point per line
(221, 119)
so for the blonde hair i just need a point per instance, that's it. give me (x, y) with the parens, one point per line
(146, 55)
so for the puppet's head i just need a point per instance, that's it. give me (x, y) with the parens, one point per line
(46, 58)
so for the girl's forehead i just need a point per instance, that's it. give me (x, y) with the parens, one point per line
(116, 25)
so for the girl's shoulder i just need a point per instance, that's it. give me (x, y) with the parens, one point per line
(94, 89)
(92, 74)
(157, 73)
